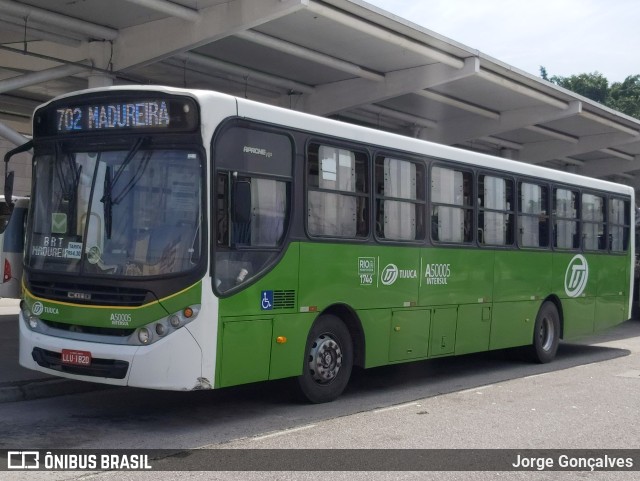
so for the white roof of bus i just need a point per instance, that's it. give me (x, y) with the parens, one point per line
(320, 125)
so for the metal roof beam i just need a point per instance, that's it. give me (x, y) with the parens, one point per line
(11, 135)
(554, 134)
(457, 103)
(539, 152)
(570, 161)
(215, 64)
(353, 22)
(609, 123)
(308, 54)
(90, 30)
(611, 166)
(14, 26)
(459, 130)
(361, 117)
(17, 105)
(35, 78)
(624, 176)
(169, 8)
(402, 116)
(522, 89)
(620, 155)
(501, 142)
(337, 96)
(172, 35)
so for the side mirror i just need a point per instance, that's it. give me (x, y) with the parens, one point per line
(241, 202)
(9, 176)
(8, 188)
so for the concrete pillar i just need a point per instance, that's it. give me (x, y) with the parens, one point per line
(100, 55)
(508, 153)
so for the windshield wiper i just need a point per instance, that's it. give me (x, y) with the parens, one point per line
(68, 184)
(107, 199)
(107, 202)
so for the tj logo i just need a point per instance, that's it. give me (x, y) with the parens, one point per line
(389, 274)
(576, 277)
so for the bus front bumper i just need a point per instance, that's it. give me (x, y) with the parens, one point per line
(172, 363)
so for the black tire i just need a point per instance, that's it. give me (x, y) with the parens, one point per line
(546, 334)
(328, 360)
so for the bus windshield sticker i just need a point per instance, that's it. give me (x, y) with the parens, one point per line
(74, 250)
(58, 223)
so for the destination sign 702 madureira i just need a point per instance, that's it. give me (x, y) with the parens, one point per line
(153, 113)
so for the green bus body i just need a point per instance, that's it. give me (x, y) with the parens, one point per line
(491, 306)
(268, 293)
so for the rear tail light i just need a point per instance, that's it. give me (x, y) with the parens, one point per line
(7, 271)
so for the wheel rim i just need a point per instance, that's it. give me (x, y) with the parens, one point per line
(546, 333)
(325, 359)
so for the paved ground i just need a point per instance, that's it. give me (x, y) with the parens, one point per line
(586, 399)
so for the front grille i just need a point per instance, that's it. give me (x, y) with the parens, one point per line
(90, 294)
(110, 368)
(101, 331)
(284, 299)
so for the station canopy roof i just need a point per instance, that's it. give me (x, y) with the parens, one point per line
(339, 58)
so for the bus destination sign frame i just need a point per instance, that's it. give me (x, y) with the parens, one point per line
(95, 115)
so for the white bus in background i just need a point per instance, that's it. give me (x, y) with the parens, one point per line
(12, 229)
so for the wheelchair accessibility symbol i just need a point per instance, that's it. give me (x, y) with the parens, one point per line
(267, 300)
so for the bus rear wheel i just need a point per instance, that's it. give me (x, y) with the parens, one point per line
(328, 360)
(546, 334)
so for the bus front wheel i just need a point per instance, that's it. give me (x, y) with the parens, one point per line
(328, 360)
(546, 334)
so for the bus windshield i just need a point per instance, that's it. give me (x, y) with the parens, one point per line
(133, 212)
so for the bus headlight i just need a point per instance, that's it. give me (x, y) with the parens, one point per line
(163, 327)
(33, 322)
(144, 335)
(174, 321)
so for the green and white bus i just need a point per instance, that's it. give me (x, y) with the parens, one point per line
(186, 240)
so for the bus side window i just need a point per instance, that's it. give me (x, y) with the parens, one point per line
(400, 199)
(495, 214)
(618, 224)
(566, 234)
(593, 222)
(533, 215)
(337, 195)
(451, 219)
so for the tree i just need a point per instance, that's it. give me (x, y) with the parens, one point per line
(621, 96)
(594, 85)
(625, 96)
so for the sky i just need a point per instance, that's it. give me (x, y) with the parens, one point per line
(567, 37)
